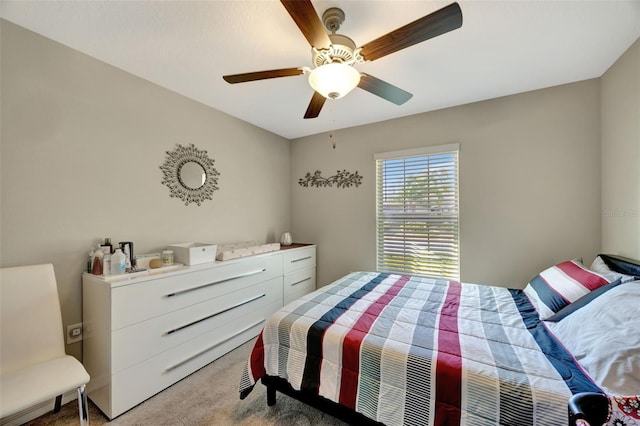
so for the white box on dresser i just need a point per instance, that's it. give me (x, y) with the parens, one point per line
(143, 333)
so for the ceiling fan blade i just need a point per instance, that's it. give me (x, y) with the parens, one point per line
(307, 20)
(383, 89)
(262, 75)
(439, 22)
(313, 110)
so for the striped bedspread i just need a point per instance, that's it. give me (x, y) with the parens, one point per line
(405, 350)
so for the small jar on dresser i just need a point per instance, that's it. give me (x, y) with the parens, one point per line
(145, 331)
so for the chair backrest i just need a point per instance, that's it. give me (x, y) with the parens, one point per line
(30, 319)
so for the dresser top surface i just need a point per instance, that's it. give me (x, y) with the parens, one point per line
(178, 269)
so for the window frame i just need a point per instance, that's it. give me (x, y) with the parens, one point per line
(450, 269)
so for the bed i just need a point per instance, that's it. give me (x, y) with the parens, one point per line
(381, 348)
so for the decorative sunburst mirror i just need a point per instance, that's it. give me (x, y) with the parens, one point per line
(189, 174)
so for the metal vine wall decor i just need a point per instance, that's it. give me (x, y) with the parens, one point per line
(189, 174)
(343, 179)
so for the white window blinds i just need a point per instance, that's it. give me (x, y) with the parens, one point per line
(417, 211)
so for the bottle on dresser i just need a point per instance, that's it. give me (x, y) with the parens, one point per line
(107, 246)
(96, 269)
(90, 260)
(118, 263)
(106, 263)
(107, 252)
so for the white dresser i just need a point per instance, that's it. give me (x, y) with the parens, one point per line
(299, 272)
(143, 333)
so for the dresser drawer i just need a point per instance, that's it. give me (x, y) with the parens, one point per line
(300, 258)
(133, 385)
(157, 296)
(134, 344)
(299, 283)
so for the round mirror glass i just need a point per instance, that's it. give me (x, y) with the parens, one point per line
(192, 175)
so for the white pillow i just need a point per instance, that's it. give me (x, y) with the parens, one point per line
(603, 337)
(600, 266)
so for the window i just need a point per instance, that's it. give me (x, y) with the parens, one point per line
(417, 211)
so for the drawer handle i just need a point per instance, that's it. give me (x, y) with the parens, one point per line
(197, 354)
(301, 281)
(186, 290)
(301, 259)
(237, 305)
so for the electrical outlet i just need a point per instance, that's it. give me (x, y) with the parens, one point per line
(74, 333)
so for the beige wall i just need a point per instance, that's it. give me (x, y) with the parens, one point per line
(529, 183)
(82, 143)
(621, 155)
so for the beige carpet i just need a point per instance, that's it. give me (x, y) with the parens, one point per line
(207, 397)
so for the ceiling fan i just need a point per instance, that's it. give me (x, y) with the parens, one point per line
(334, 55)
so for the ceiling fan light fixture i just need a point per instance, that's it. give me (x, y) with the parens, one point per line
(334, 80)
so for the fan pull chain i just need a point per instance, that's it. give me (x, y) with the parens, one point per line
(333, 126)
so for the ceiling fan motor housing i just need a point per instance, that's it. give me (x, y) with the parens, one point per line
(342, 50)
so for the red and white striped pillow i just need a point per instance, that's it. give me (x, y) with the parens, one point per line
(558, 286)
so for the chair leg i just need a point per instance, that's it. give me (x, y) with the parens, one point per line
(83, 407)
(58, 404)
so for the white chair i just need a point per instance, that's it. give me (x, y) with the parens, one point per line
(33, 365)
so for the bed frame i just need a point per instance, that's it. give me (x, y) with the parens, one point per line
(591, 407)
(325, 405)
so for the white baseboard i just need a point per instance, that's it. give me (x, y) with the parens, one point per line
(37, 410)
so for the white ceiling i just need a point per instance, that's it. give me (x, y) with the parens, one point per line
(503, 47)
